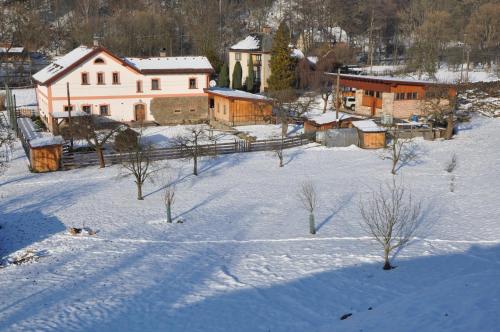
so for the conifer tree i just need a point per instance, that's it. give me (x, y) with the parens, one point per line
(251, 76)
(282, 64)
(237, 73)
(224, 76)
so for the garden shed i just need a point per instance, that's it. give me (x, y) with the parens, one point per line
(43, 150)
(371, 135)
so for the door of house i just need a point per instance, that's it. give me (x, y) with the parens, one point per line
(140, 112)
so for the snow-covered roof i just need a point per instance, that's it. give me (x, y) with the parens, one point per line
(145, 65)
(171, 63)
(296, 53)
(35, 138)
(251, 42)
(368, 126)
(11, 50)
(330, 117)
(385, 79)
(46, 139)
(236, 94)
(61, 64)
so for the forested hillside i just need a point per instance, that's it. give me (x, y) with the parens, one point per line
(416, 32)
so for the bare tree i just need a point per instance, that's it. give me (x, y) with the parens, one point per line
(391, 216)
(190, 145)
(96, 134)
(136, 160)
(169, 199)
(400, 150)
(278, 150)
(439, 103)
(6, 141)
(308, 197)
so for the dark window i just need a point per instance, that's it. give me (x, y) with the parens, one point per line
(377, 95)
(237, 56)
(116, 78)
(414, 95)
(155, 84)
(177, 111)
(139, 86)
(67, 109)
(372, 93)
(192, 83)
(408, 95)
(85, 78)
(100, 78)
(104, 110)
(87, 109)
(99, 61)
(192, 110)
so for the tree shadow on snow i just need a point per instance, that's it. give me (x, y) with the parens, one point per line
(340, 204)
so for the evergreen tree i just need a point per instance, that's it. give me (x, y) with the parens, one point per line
(237, 73)
(224, 76)
(251, 76)
(282, 64)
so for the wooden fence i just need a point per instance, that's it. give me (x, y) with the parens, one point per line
(71, 160)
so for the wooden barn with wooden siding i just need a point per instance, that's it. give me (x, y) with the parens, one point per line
(328, 120)
(371, 135)
(43, 150)
(236, 108)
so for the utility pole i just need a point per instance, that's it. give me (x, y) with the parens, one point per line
(69, 119)
(337, 98)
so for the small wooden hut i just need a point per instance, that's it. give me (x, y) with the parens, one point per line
(371, 135)
(43, 150)
(236, 108)
(328, 120)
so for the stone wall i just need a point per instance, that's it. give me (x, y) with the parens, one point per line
(180, 110)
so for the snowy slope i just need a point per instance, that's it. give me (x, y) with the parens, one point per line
(243, 260)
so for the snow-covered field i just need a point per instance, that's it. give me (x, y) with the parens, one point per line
(243, 260)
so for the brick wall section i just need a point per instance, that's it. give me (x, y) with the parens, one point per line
(192, 110)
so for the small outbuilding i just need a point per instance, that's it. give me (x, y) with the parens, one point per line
(371, 135)
(325, 121)
(236, 108)
(44, 150)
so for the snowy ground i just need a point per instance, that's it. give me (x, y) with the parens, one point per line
(243, 260)
(443, 74)
(270, 131)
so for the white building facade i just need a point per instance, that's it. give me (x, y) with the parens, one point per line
(123, 89)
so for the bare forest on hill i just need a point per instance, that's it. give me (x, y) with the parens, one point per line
(417, 33)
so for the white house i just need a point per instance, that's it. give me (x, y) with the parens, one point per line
(258, 46)
(161, 89)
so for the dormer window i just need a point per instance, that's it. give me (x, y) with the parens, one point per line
(99, 61)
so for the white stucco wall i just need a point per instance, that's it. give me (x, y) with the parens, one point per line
(122, 97)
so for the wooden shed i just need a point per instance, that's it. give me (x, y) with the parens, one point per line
(328, 120)
(235, 107)
(43, 150)
(371, 135)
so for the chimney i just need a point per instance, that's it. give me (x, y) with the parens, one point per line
(163, 52)
(266, 29)
(96, 41)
